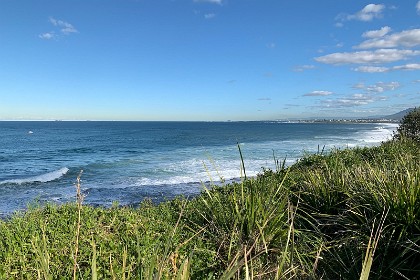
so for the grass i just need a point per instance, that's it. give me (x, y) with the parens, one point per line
(347, 214)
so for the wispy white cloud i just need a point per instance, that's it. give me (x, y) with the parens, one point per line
(382, 87)
(406, 38)
(210, 1)
(376, 69)
(359, 86)
(47, 35)
(377, 33)
(368, 13)
(319, 93)
(371, 69)
(378, 87)
(407, 67)
(65, 27)
(301, 68)
(62, 27)
(367, 57)
(209, 15)
(418, 7)
(354, 100)
(367, 94)
(351, 101)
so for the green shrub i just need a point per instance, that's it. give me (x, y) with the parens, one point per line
(410, 126)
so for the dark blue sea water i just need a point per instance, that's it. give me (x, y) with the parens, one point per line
(129, 161)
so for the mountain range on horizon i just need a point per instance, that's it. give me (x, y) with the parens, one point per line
(397, 116)
(392, 117)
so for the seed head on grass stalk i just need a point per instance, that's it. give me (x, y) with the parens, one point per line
(79, 199)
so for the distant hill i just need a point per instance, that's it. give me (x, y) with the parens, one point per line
(398, 116)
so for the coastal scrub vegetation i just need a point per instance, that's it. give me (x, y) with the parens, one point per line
(410, 126)
(345, 214)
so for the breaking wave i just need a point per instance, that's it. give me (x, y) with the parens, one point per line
(47, 177)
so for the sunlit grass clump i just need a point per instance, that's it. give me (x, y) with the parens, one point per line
(348, 214)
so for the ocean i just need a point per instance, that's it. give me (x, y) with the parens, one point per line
(126, 162)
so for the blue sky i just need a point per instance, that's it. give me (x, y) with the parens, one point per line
(207, 59)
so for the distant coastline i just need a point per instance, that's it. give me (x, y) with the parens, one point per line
(342, 121)
(323, 120)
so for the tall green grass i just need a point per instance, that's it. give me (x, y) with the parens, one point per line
(347, 214)
(344, 194)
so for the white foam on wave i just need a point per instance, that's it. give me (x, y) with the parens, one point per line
(382, 132)
(199, 177)
(201, 171)
(47, 177)
(224, 162)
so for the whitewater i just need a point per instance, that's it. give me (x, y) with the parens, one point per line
(130, 161)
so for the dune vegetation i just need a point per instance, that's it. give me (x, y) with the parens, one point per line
(345, 214)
